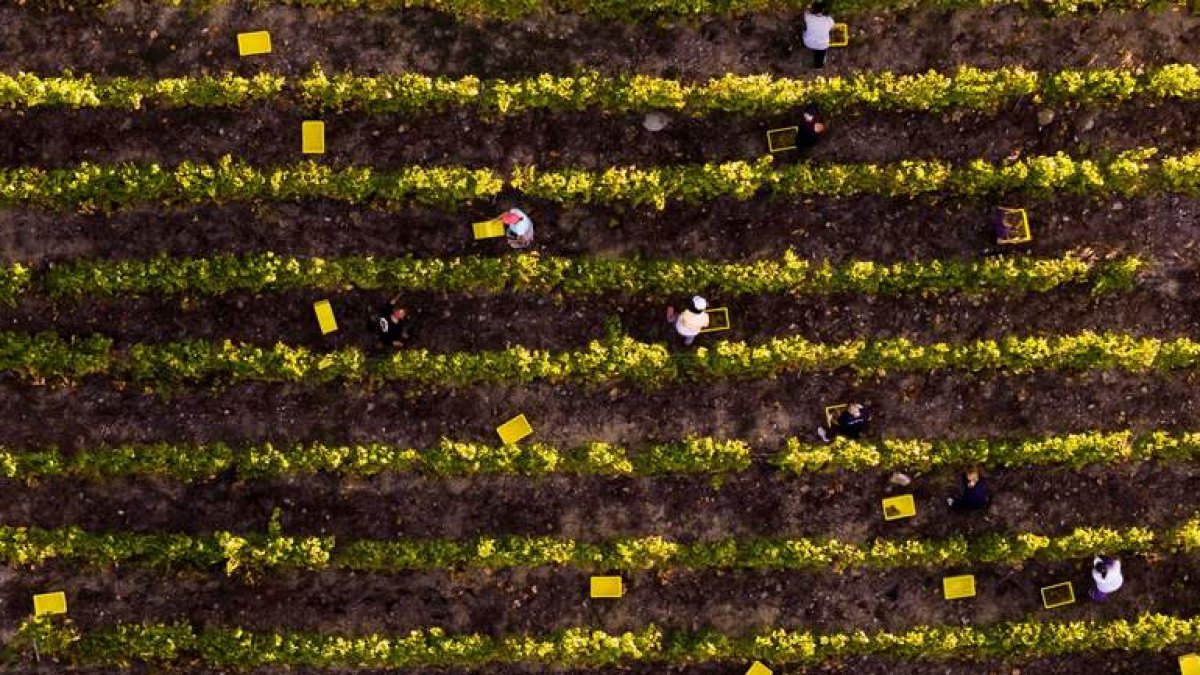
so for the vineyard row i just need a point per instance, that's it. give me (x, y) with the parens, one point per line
(412, 93)
(165, 365)
(694, 455)
(91, 187)
(581, 647)
(221, 274)
(258, 553)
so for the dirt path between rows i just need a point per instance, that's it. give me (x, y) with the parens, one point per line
(449, 323)
(864, 228)
(761, 502)
(260, 135)
(149, 39)
(937, 405)
(548, 599)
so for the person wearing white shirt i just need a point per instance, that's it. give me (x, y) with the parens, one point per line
(691, 320)
(1106, 575)
(817, 26)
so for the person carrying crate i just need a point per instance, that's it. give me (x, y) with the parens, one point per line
(691, 320)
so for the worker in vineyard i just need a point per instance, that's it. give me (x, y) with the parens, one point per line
(811, 127)
(392, 324)
(973, 491)
(817, 26)
(1106, 577)
(691, 320)
(518, 228)
(850, 424)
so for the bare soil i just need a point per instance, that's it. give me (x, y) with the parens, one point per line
(1166, 228)
(269, 135)
(447, 323)
(146, 38)
(541, 600)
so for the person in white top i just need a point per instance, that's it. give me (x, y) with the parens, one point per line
(817, 26)
(518, 228)
(1106, 575)
(691, 320)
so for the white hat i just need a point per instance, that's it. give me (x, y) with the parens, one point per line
(699, 303)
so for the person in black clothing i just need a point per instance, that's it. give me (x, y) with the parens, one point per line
(973, 492)
(392, 325)
(812, 127)
(851, 424)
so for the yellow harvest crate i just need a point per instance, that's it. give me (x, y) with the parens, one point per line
(258, 42)
(758, 668)
(718, 320)
(514, 430)
(325, 316)
(782, 139)
(833, 411)
(607, 587)
(839, 35)
(1058, 595)
(50, 603)
(312, 138)
(488, 229)
(1189, 664)
(902, 506)
(1016, 224)
(955, 588)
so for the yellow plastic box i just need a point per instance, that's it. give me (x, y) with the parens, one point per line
(959, 587)
(258, 42)
(1189, 664)
(325, 318)
(607, 587)
(50, 603)
(758, 668)
(488, 229)
(902, 506)
(839, 35)
(718, 320)
(782, 139)
(1016, 221)
(514, 430)
(833, 411)
(1058, 595)
(312, 138)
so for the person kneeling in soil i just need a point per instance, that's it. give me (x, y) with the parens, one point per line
(817, 26)
(851, 424)
(973, 492)
(691, 320)
(392, 324)
(812, 127)
(1106, 577)
(518, 228)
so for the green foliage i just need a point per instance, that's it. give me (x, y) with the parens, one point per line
(411, 93)
(91, 187)
(257, 273)
(160, 644)
(166, 365)
(254, 554)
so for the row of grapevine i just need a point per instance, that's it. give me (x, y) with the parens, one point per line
(167, 365)
(411, 93)
(583, 647)
(90, 187)
(189, 462)
(251, 554)
(222, 274)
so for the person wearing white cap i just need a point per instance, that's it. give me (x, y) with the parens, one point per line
(691, 320)
(518, 228)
